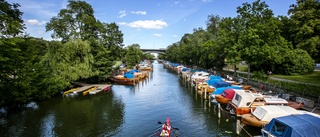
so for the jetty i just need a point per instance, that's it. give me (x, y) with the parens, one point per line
(89, 89)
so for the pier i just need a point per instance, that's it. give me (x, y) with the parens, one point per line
(89, 89)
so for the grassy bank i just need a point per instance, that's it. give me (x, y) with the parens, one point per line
(311, 78)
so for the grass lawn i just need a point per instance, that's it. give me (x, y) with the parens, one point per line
(118, 63)
(311, 78)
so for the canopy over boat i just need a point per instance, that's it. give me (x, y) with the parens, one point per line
(303, 125)
(266, 113)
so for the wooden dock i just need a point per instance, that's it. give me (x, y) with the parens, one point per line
(89, 89)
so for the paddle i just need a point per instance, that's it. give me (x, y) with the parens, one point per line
(171, 126)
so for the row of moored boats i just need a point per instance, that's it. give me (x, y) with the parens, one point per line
(275, 116)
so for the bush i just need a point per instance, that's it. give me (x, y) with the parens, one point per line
(296, 62)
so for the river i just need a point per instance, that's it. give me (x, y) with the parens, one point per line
(123, 111)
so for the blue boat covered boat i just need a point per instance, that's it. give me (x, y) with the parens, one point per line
(220, 84)
(304, 125)
(219, 91)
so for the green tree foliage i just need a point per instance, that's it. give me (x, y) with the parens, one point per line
(71, 61)
(261, 44)
(296, 62)
(11, 23)
(305, 17)
(23, 76)
(113, 40)
(75, 22)
(133, 55)
(103, 63)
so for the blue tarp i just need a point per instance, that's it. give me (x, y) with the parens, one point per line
(133, 70)
(221, 84)
(128, 75)
(304, 125)
(211, 82)
(219, 91)
(184, 69)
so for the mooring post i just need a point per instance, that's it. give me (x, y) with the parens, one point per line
(219, 110)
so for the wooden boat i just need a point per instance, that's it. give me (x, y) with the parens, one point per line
(262, 115)
(202, 86)
(125, 81)
(304, 125)
(246, 102)
(242, 103)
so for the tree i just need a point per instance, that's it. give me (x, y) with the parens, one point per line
(11, 23)
(305, 15)
(71, 61)
(260, 42)
(75, 22)
(133, 55)
(113, 39)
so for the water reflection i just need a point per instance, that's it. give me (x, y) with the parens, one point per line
(123, 111)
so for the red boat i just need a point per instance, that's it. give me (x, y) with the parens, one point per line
(166, 129)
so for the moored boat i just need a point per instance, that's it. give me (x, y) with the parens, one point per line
(262, 115)
(304, 125)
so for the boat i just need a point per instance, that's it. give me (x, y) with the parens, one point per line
(262, 115)
(226, 95)
(243, 102)
(166, 129)
(304, 125)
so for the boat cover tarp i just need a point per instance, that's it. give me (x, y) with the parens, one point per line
(303, 125)
(228, 93)
(221, 89)
(133, 70)
(220, 84)
(128, 75)
(212, 81)
(184, 69)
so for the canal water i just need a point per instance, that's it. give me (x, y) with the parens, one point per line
(124, 111)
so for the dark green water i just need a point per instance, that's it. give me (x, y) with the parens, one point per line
(124, 111)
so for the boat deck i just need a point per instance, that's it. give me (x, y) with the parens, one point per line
(100, 87)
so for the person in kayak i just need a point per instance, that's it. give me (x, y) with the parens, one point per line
(165, 126)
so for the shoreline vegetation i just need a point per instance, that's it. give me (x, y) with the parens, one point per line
(36, 69)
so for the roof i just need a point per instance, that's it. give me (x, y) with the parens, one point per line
(266, 113)
(303, 125)
(244, 99)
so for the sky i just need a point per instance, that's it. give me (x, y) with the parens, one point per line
(153, 24)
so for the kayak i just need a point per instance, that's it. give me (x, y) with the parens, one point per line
(166, 129)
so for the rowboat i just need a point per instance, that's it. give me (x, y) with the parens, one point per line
(166, 129)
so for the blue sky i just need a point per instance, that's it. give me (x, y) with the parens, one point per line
(150, 23)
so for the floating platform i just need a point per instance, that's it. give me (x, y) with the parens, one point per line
(89, 89)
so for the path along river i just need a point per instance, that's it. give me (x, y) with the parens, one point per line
(124, 111)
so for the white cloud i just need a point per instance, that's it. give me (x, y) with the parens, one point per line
(34, 22)
(146, 24)
(139, 12)
(122, 14)
(174, 36)
(176, 2)
(158, 35)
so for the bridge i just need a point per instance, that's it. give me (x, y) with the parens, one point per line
(160, 51)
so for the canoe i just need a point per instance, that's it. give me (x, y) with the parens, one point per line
(166, 129)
